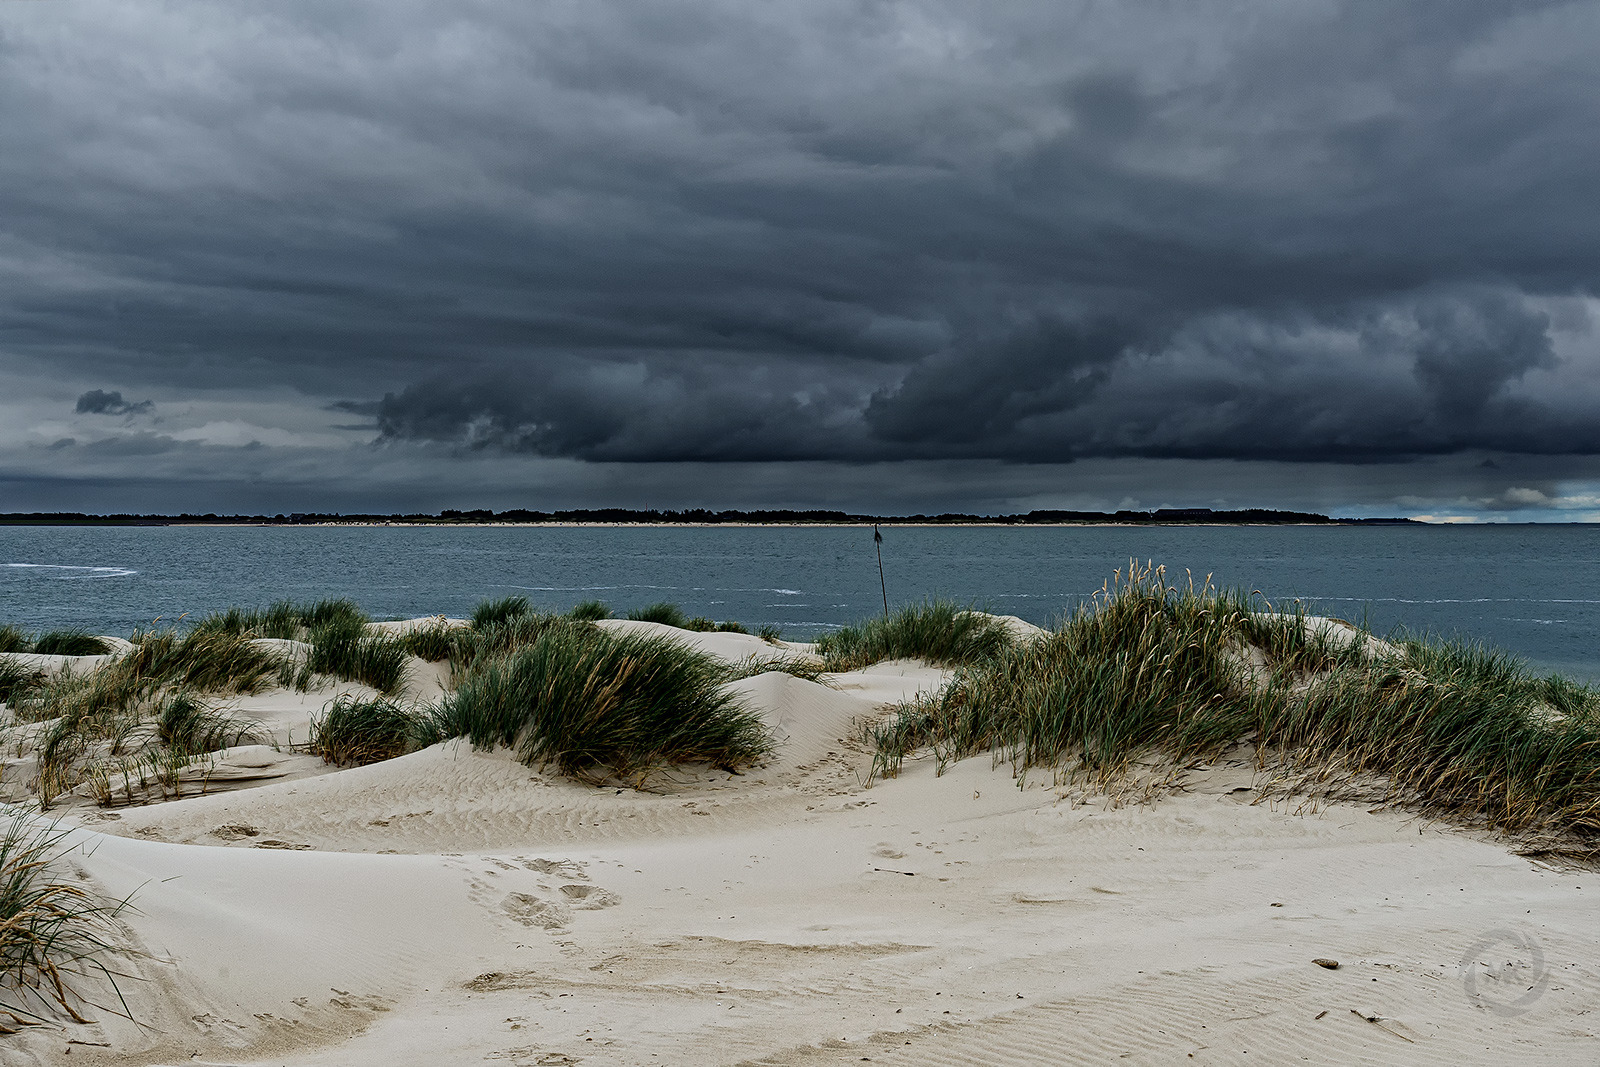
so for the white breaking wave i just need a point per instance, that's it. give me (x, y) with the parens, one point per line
(82, 572)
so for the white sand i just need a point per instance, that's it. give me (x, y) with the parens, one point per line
(455, 907)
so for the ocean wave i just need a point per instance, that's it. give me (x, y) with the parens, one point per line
(577, 588)
(90, 572)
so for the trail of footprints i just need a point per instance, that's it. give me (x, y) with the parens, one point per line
(563, 888)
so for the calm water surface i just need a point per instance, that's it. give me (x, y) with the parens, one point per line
(1532, 589)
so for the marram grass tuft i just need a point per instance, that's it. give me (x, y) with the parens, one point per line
(1149, 670)
(938, 631)
(55, 933)
(592, 703)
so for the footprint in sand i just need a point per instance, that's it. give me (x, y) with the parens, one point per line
(589, 897)
(235, 832)
(888, 851)
(531, 911)
(565, 868)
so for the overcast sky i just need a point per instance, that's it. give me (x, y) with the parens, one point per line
(892, 256)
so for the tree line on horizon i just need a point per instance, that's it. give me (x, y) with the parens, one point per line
(1159, 516)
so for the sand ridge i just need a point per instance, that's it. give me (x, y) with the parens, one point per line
(455, 906)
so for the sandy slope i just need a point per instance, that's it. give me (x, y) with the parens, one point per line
(454, 907)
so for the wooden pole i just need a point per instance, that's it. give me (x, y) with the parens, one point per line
(877, 539)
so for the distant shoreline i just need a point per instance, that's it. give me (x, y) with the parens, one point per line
(617, 517)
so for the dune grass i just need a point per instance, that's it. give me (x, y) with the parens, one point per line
(431, 643)
(807, 667)
(496, 612)
(284, 619)
(115, 710)
(589, 703)
(668, 614)
(352, 732)
(664, 613)
(1150, 671)
(71, 642)
(188, 725)
(205, 661)
(342, 648)
(16, 681)
(589, 611)
(939, 631)
(502, 637)
(54, 933)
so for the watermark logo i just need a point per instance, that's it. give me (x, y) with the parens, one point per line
(1504, 971)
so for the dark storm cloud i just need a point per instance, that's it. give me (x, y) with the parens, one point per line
(1033, 232)
(100, 402)
(628, 412)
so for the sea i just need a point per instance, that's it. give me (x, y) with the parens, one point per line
(1533, 590)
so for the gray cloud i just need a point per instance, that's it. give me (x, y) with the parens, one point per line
(1354, 233)
(100, 402)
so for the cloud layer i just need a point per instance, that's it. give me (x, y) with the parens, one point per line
(1345, 234)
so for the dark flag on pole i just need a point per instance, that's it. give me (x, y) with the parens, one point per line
(877, 539)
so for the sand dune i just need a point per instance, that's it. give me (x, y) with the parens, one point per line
(453, 906)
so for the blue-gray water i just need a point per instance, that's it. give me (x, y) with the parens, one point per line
(1534, 590)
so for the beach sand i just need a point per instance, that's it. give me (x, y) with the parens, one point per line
(453, 906)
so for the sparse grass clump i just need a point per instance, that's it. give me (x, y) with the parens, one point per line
(53, 932)
(204, 661)
(192, 727)
(343, 648)
(770, 633)
(939, 632)
(589, 611)
(701, 624)
(499, 638)
(14, 640)
(119, 709)
(352, 732)
(590, 702)
(284, 619)
(807, 667)
(431, 643)
(1152, 672)
(16, 681)
(495, 612)
(72, 642)
(664, 613)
